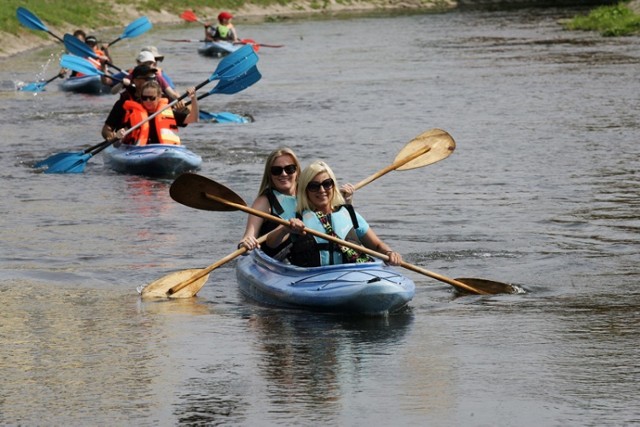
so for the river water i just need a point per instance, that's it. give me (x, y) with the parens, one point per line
(542, 191)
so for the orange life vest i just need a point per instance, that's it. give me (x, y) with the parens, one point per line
(166, 126)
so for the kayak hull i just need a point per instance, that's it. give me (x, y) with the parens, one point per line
(218, 49)
(153, 160)
(84, 84)
(370, 289)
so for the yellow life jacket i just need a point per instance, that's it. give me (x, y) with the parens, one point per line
(166, 126)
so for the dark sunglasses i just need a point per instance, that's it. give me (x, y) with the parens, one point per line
(149, 98)
(314, 187)
(289, 169)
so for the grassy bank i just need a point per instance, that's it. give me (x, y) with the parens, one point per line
(617, 20)
(64, 16)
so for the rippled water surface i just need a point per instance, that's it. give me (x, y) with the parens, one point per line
(542, 190)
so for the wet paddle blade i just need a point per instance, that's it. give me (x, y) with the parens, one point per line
(190, 189)
(491, 286)
(436, 143)
(235, 64)
(55, 159)
(33, 87)
(229, 87)
(160, 288)
(72, 163)
(222, 117)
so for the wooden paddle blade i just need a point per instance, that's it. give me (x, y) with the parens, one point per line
(160, 288)
(491, 286)
(437, 143)
(190, 189)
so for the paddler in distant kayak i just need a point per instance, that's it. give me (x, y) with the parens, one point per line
(134, 107)
(223, 31)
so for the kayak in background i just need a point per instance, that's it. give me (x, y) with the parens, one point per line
(218, 49)
(153, 160)
(85, 84)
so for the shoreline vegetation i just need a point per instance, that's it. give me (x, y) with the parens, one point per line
(64, 16)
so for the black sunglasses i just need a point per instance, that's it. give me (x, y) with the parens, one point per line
(314, 186)
(289, 169)
(148, 98)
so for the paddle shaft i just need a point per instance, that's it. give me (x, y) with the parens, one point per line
(392, 167)
(359, 248)
(263, 238)
(212, 267)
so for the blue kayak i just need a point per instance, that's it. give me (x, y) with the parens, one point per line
(373, 289)
(154, 160)
(84, 84)
(218, 49)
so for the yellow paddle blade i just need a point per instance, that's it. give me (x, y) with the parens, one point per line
(160, 288)
(436, 144)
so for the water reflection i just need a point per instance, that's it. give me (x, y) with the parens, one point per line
(309, 360)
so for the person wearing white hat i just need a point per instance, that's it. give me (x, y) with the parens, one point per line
(145, 57)
(159, 58)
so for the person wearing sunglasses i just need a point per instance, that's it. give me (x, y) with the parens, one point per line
(321, 208)
(163, 128)
(276, 196)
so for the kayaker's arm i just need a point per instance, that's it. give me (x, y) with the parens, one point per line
(254, 223)
(281, 233)
(194, 110)
(373, 242)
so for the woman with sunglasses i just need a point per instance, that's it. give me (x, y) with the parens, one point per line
(163, 128)
(276, 196)
(320, 207)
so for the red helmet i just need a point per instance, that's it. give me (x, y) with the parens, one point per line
(224, 15)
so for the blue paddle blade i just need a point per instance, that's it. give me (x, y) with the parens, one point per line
(79, 65)
(222, 117)
(235, 85)
(236, 63)
(136, 28)
(71, 163)
(77, 47)
(33, 87)
(30, 20)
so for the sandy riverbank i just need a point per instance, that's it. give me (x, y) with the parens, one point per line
(29, 39)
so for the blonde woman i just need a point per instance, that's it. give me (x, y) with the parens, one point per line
(321, 208)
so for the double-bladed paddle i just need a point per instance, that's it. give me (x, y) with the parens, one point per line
(31, 21)
(190, 16)
(235, 72)
(243, 41)
(199, 192)
(427, 148)
(39, 86)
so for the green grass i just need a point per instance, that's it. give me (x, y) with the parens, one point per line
(609, 21)
(97, 13)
